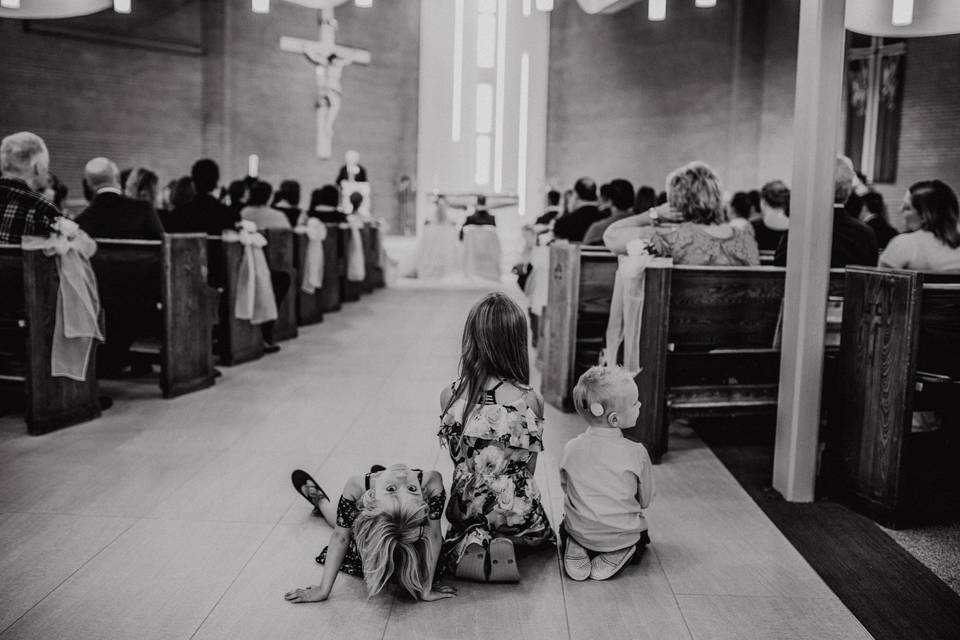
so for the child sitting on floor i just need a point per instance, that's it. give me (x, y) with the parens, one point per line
(387, 526)
(607, 480)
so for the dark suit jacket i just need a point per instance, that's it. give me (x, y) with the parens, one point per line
(112, 215)
(574, 225)
(479, 218)
(360, 177)
(883, 230)
(853, 243)
(203, 214)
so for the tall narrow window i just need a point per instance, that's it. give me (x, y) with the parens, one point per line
(482, 173)
(874, 88)
(484, 108)
(457, 102)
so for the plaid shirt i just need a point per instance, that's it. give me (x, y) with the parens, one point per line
(23, 212)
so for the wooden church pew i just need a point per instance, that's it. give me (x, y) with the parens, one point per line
(237, 341)
(371, 254)
(29, 283)
(309, 306)
(719, 327)
(900, 354)
(349, 289)
(332, 265)
(280, 257)
(575, 320)
(163, 283)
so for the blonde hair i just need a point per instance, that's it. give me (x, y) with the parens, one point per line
(603, 385)
(694, 191)
(391, 537)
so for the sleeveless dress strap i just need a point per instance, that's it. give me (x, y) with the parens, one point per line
(366, 482)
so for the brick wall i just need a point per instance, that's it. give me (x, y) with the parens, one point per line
(633, 98)
(243, 96)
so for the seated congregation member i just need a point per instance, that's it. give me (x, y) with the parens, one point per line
(177, 194)
(583, 212)
(236, 196)
(142, 184)
(492, 428)
(692, 227)
(24, 162)
(607, 480)
(286, 200)
(853, 241)
(553, 208)
(738, 209)
(874, 215)
(480, 217)
(323, 205)
(112, 214)
(646, 198)
(932, 242)
(205, 213)
(55, 191)
(775, 209)
(259, 213)
(386, 528)
(603, 203)
(621, 198)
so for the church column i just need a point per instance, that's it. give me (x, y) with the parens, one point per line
(816, 120)
(216, 80)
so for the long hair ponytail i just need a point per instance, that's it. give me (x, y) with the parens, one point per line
(494, 344)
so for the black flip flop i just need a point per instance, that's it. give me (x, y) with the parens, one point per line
(301, 478)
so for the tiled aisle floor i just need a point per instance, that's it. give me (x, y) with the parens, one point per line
(176, 518)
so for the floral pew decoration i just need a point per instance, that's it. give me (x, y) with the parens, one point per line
(255, 301)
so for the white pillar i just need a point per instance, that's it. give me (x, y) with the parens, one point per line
(816, 120)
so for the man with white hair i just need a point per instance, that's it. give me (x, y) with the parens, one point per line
(352, 170)
(112, 214)
(24, 161)
(853, 241)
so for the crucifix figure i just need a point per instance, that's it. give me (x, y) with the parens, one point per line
(329, 58)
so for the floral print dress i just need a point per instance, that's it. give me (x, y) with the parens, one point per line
(491, 476)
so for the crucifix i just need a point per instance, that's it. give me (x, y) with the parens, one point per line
(329, 58)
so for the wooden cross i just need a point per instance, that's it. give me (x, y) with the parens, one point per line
(329, 58)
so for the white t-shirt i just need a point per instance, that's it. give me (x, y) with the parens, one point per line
(607, 481)
(265, 218)
(920, 251)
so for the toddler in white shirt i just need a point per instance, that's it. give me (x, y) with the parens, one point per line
(607, 480)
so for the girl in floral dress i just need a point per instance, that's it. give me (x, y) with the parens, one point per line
(491, 426)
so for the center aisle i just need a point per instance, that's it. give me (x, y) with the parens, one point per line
(193, 530)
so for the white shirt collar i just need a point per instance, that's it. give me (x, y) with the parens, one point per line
(604, 432)
(109, 190)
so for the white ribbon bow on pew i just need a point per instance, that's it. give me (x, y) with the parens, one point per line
(78, 302)
(626, 308)
(255, 301)
(356, 267)
(316, 233)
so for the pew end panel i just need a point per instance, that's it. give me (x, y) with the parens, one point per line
(309, 305)
(238, 341)
(332, 266)
(349, 290)
(369, 258)
(560, 324)
(186, 355)
(29, 283)
(899, 352)
(280, 258)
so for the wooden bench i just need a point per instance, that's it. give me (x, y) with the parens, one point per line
(280, 256)
(163, 285)
(332, 265)
(371, 254)
(575, 320)
(899, 354)
(709, 344)
(29, 284)
(237, 341)
(349, 290)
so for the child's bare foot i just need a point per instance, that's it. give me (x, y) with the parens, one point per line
(309, 489)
